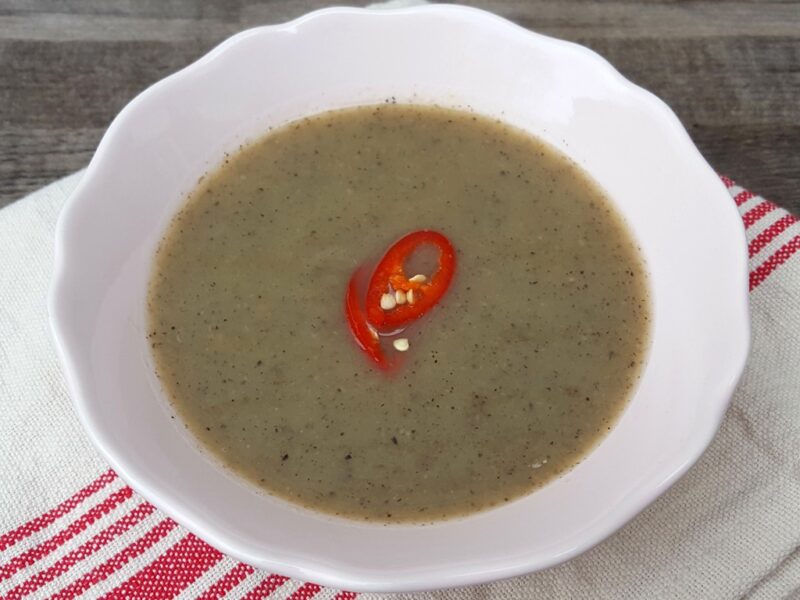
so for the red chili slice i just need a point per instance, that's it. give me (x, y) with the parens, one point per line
(366, 337)
(390, 276)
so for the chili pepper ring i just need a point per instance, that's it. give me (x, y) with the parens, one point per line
(393, 300)
(390, 276)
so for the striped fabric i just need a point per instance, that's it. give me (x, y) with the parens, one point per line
(105, 541)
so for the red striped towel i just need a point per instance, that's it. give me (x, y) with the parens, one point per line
(69, 527)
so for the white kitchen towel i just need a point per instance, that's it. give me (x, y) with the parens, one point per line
(70, 527)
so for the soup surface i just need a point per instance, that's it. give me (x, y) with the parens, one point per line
(510, 380)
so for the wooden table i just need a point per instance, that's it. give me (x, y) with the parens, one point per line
(731, 71)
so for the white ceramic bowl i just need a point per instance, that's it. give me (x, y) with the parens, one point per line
(631, 143)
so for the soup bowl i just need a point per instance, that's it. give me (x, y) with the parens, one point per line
(628, 140)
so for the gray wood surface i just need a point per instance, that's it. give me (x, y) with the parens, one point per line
(730, 70)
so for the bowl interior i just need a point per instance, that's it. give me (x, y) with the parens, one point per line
(625, 138)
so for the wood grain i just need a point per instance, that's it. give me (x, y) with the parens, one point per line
(730, 70)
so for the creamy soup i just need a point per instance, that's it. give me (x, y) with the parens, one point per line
(519, 370)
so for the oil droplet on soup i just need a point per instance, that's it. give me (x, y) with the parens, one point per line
(512, 378)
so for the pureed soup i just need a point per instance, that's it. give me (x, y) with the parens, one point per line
(510, 350)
